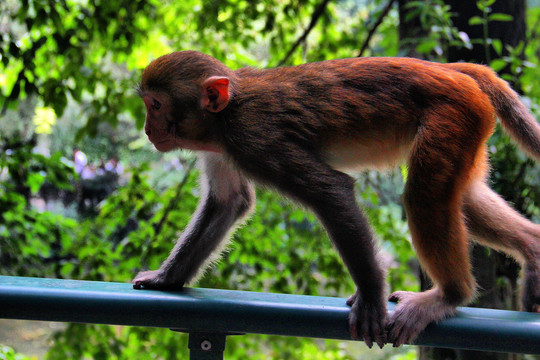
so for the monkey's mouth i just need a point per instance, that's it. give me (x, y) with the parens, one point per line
(165, 145)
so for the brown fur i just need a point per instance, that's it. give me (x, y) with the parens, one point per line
(297, 128)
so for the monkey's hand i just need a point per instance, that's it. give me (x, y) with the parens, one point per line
(366, 320)
(155, 279)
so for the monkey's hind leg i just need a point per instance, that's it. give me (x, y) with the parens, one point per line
(493, 223)
(439, 172)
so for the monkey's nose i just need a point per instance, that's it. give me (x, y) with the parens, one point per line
(147, 131)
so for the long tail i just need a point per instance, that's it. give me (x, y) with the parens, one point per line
(515, 117)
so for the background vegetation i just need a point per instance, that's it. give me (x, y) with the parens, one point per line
(67, 73)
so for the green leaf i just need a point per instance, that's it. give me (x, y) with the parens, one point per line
(498, 64)
(427, 46)
(497, 46)
(500, 17)
(34, 181)
(484, 5)
(476, 20)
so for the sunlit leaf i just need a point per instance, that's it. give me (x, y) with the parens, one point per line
(44, 120)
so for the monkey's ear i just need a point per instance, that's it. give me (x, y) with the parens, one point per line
(215, 94)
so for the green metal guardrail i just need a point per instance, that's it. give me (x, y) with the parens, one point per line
(210, 315)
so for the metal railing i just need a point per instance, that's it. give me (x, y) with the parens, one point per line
(209, 315)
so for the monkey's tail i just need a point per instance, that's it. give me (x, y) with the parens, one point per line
(514, 115)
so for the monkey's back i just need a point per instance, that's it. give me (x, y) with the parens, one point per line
(359, 112)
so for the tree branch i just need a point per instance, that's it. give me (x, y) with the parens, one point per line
(314, 19)
(372, 31)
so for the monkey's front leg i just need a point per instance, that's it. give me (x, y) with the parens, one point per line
(330, 194)
(351, 233)
(226, 197)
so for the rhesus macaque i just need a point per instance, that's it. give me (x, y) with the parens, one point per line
(298, 129)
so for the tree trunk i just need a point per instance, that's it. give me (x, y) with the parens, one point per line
(409, 31)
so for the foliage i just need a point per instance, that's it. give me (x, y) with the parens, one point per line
(527, 74)
(488, 16)
(436, 21)
(30, 240)
(7, 353)
(58, 49)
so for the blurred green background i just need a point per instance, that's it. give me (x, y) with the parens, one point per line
(68, 69)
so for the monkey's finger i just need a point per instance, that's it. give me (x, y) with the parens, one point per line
(353, 325)
(380, 337)
(141, 284)
(351, 300)
(371, 332)
(138, 285)
(367, 339)
(382, 342)
(378, 328)
(144, 280)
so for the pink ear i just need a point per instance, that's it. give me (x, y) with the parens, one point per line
(215, 94)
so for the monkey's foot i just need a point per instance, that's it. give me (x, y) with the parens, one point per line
(155, 280)
(366, 320)
(530, 296)
(413, 313)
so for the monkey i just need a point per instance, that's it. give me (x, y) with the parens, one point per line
(301, 130)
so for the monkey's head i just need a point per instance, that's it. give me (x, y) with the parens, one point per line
(181, 92)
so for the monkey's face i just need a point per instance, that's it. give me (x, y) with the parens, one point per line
(159, 126)
(181, 101)
(173, 123)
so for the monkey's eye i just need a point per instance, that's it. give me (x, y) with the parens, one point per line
(156, 105)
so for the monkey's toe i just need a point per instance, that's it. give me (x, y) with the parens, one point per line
(413, 313)
(400, 329)
(400, 295)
